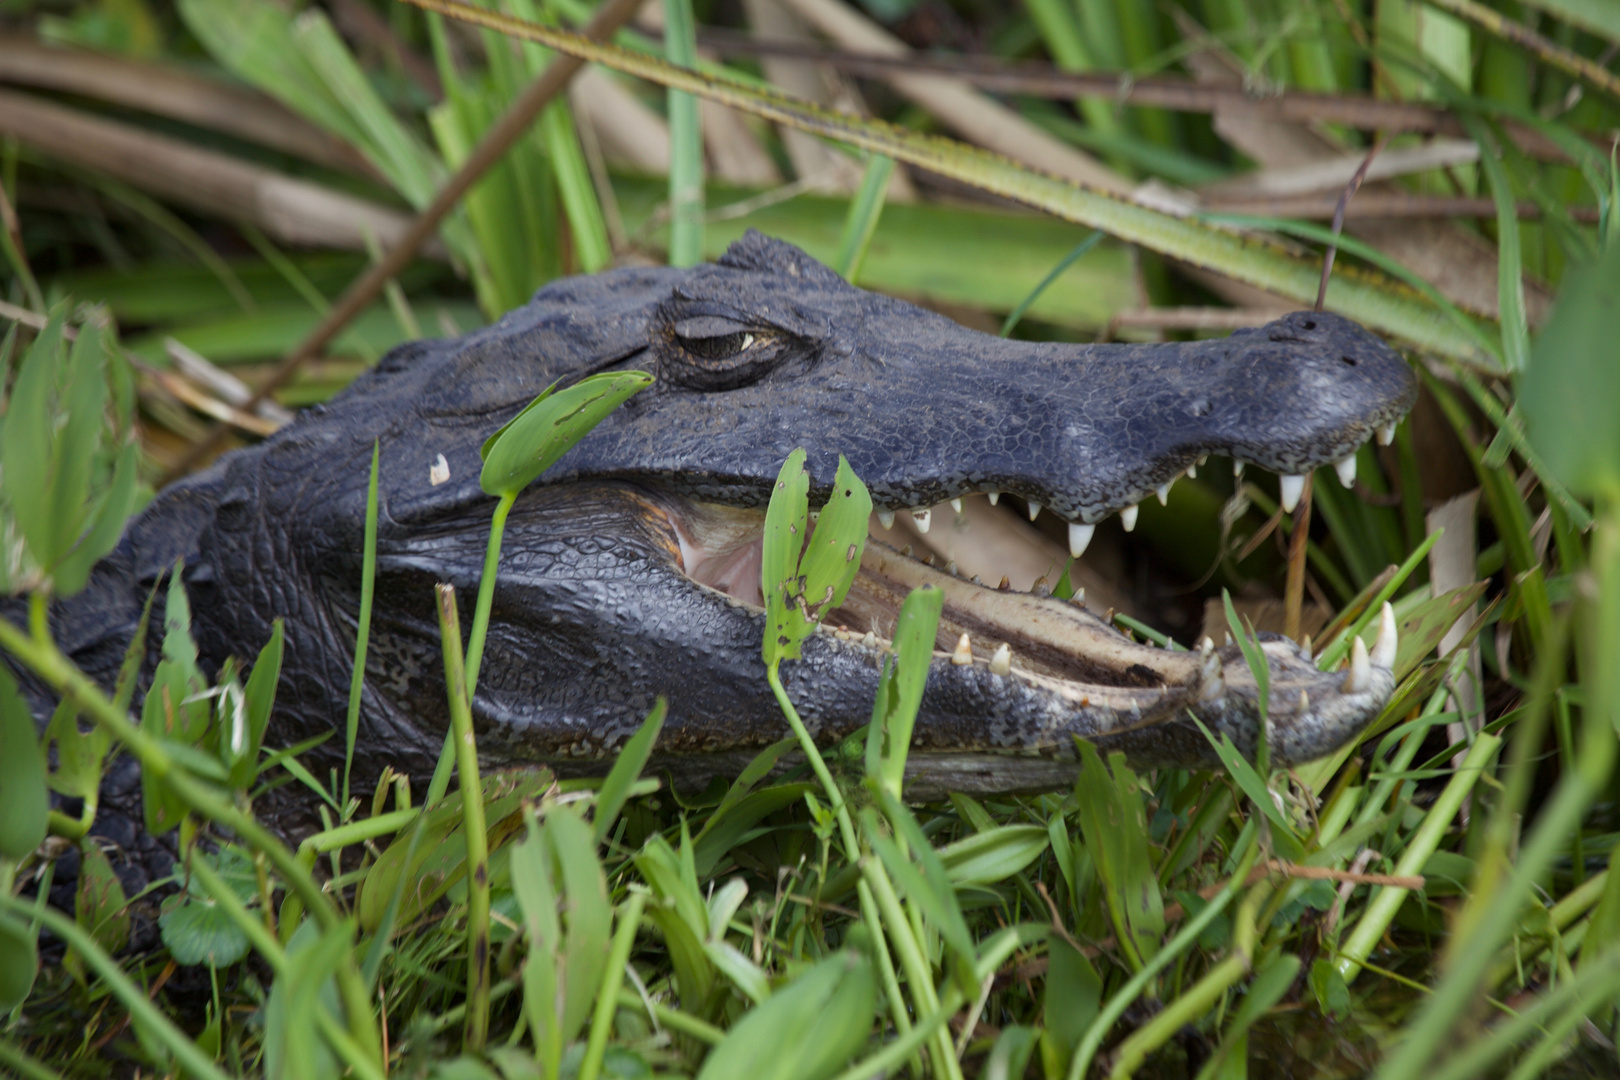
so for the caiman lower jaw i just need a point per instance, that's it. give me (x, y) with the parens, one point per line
(1092, 680)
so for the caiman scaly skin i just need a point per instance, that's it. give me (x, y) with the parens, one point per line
(625, 571)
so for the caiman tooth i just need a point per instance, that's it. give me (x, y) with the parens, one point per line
(1386, 433)
(1291, 487)
(886, 518)
(1347, 470)
(439, 471)
(1079, 597)
(950, 568)
(1034, 510)
(963, 656)
(1041, 588)
(1079, 537)
(908, 551)
(1127, 517)
(922, 518)
(1163, 492)
(1001, 660)
(1383, 650)
(1237, 467)
(1358, 680)
(1211, 680)
(956, 504)
(870, 640)
(1305, 647)
(993, 496)
(1006, 583)
(1304, 704)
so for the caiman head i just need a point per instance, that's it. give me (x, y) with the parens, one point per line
(631, 570)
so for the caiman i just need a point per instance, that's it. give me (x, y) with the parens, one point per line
(632, 568)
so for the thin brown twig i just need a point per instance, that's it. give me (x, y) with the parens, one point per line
(490, 149)
(1349, 193)
(1057, 920)
(822, 905)
(1351, 877)
(1298, 541)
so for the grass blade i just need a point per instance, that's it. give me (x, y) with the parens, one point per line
(685, 142)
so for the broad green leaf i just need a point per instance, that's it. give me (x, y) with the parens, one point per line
(833, 555)
(107, 518)
(258, 699)
(1114, 826)
(1367, 298)
(590, 916)
(28, 437)
(756, 771)
(673, 878)
(305, 990)
(536, 890)
(438, 860)
(24, 800)
(1570, 392)
(1073, 993)
(1009, 1057)
(902, 688)
(993, 855)
(723, 904)
(199, 931)
(807, 1030)
(79, 754)
(973, 812)
(19, 962)
(99, 901)
(785, 521)
(744, 974)
(730, 824)
(549, 426)
(83, 399)
(1328, 985)
(627, 766)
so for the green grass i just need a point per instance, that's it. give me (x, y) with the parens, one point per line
(810, 923)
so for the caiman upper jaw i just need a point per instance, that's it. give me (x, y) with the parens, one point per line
(1305, 391)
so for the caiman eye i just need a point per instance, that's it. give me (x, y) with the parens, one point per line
(714, 337)
(719, 347)
(717, 353)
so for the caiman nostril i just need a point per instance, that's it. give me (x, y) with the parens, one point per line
(1348, 360)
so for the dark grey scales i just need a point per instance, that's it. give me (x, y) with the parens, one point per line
(631, 570)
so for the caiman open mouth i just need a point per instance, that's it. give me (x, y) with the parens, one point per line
(1096, 681)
